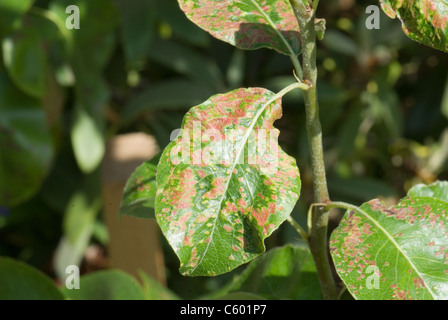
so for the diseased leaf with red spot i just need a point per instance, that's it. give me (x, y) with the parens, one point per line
(224, 184)
(247, 24)
(425, 21)
(398, 252)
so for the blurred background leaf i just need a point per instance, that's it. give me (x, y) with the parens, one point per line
(140, 65)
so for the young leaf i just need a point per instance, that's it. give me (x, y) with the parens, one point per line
(247, 24)
(399, 252)
(224, 184)
(140, 191)
(425, 21)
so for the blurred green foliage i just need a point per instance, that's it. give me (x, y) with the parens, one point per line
(140, 65)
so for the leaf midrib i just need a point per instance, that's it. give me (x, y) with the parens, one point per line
(391, 239)
(237, 157)
(273, 26)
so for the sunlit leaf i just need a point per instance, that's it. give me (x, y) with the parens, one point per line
(438, 190)
(425, 21)
(225, 180)
(247, 24)
(398, 252)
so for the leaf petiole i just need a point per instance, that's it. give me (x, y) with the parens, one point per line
(298, 228)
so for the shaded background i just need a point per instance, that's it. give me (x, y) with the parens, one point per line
(138, 66)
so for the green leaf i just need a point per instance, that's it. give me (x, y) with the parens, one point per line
(247, 24)
(88, 140)
(25, 56)
(98, 21)
(224, 184)
(398, 252)
(187, 61)
(159, 96)
(170, 13)
(340, 42)
(281, 273)
(20, 281)
(153, 290)
(10, 14)
(240, 296)
(26, 149)
(106, 285)
(78, 224)
(140, 191)
(425, 21)
(137, 29)
(438, 190)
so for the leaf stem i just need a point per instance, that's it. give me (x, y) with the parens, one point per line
(317, 240)
(297, 227)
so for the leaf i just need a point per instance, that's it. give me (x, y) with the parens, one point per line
(98, 21)
(20, 281)
(425, 21)
(438, 190)
(140, 191)
(282, 273)
(360, 189)
(26, 149)
(153, 290)
(10, 14)
(106, 285)
(88, 140)
(78, 224)
(224, 184)
(136, 16)
(187, 61)
(247, 24)
(240, 296)
(25, 56)
(340, 42)
(400, 252)
(170, 13)
(159, 96)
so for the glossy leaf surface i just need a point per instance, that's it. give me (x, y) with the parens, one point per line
(247, 24)
(224, 184)
(400, 252)
(425, 21)
(438, 189)
(140, 191)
